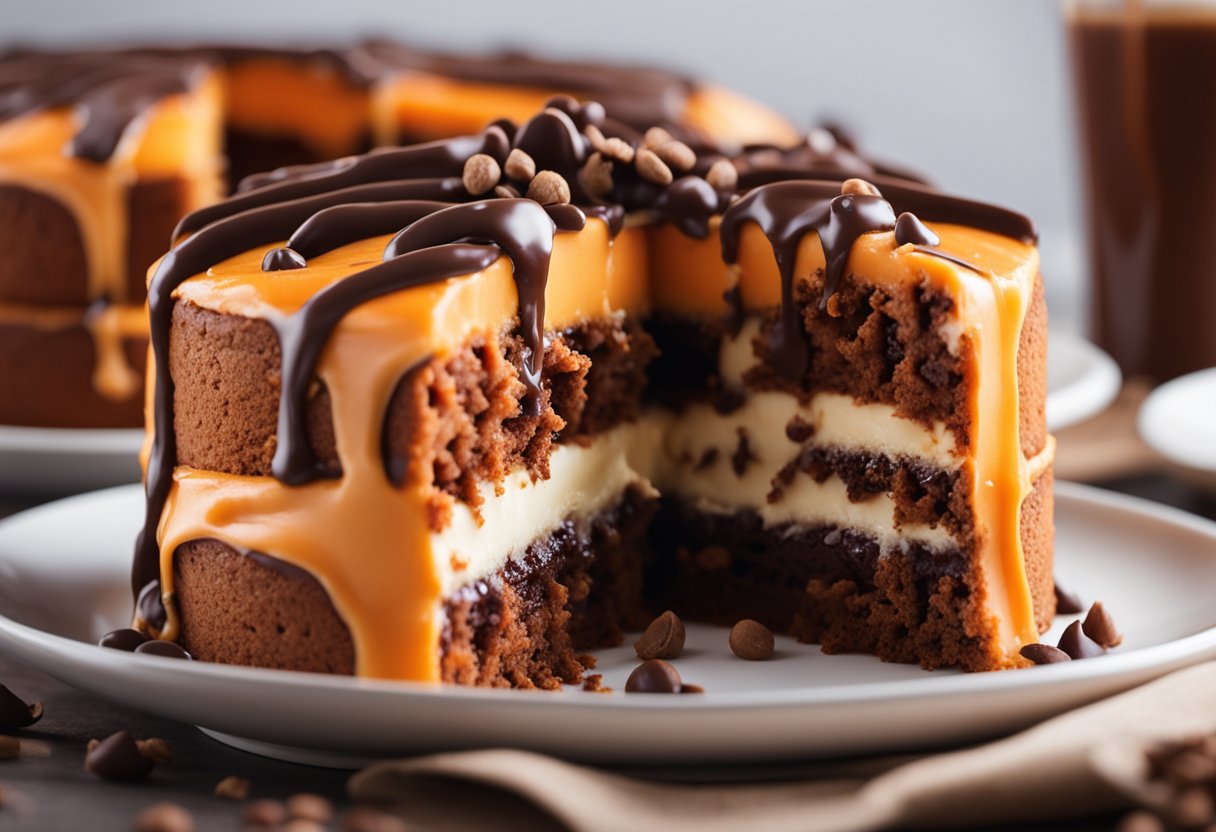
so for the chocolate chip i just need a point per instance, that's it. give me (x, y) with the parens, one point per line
(751, 640)
(722, 175)
(481, 173)
(14, 713)
(367, 819)
(798, 429)
(549, 188)
(653, 676)
(168, 649)
(283, 260)
(125, 639)
(519, 166)
(1044, 654)
(1101, 627)
(233, 788)
(118, 757)
(663, 639)
(909, 229)
(310, 807)
(10, 748)
(1066, 602)
(265, 813)
(155, 749)
(1140, 822)
(1076, 644)
(164, 817)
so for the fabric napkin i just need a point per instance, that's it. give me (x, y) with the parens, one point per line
(1045, 772)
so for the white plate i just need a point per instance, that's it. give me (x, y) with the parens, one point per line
(1178, 420)
(63, 576)
(51, 461)
(1082, 380)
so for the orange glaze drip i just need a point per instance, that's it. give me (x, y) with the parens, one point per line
(111, 327)
(368, 543)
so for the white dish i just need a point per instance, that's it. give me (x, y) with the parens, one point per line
(1082, 380)
(50, 461)
(63, 582)
(1178, 421)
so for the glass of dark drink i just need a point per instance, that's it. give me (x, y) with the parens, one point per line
(1145, 77)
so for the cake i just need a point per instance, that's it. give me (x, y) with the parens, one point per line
(102, 152)
(460, 410)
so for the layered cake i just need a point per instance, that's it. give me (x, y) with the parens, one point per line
(456, 411)
(101, 153)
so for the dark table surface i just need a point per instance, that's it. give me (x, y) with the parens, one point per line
(47, 789)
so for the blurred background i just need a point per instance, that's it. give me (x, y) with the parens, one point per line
(975, 93)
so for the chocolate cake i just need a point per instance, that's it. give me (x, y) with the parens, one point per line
(102, 152)
(459, 410)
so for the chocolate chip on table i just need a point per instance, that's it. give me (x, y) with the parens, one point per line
(164, 817)
(1076, 644)
(1100, 627)
(653, 676)
(663, 639)
(751, 640)
(168, 649)
(367, 819)
(125, 639)
(1066, 602)
(269, 813)
(15, 713)
(309, 807)
(118, 757)
(1044, 654)
(10, 748)
(233, 788)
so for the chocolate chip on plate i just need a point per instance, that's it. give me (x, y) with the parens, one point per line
(663, 639)
(1066, 602)
(1099, 626)
(653, 676)
(15, 713)
(751, 640)
(118, 757)
(1044, 654)
(125, 639)
(167, 649)
(1076, 644)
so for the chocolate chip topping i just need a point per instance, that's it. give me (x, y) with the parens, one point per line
(663, 639)
(1077, 645)
(751, 640)
(1067, 603)
(125, 639)
(1100, 627)
(653, 676)
(14, 713)
(118, 757)
(167, 649)
(909, 229)
(283, 260)
(1044, 654)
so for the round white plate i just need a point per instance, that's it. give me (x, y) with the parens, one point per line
(1178, 421)
(1082, 380)
(63, 582)
(48, 461)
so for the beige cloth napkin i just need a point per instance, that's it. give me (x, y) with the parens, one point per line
(1045, 772)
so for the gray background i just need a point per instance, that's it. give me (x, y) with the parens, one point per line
(974, 92)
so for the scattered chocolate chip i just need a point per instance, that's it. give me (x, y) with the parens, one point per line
(283, 260)
(618, 150)
(798, 429)
(549, 188)
(10, 748)
(653, 676)
(1100, 626)
(596, 175)
(722, 175)
(310, 807)
(1140, 822)
(157, 750)
(126, 639)
(117, 757)
(168, 649)
(1044, 654)
(651, 168)
(519, 166)
(714, 558)
(859, 187)
(233, 788)
(663, 639)
(676, 155)
(481, 173)
(1066, 602)
(656, 136)
(367, 819)
(268, 813)
(1076, 644)
(751, 640)
(909, 229)
(164, 817)
(506, 192)
(14, 713)
(686, 688)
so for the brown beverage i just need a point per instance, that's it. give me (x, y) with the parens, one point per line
(1146, 91)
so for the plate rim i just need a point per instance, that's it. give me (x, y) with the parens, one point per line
(1151, 430)
(26, 640)
(1089, 395)
(32, 440)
